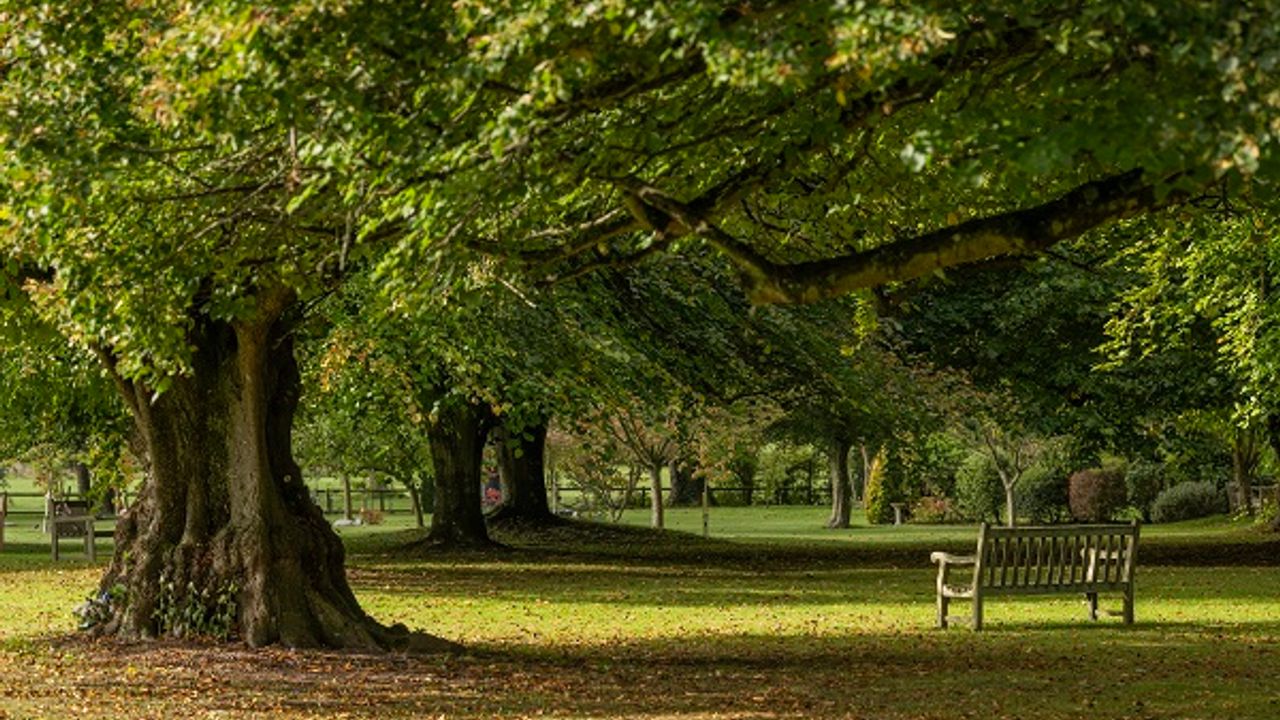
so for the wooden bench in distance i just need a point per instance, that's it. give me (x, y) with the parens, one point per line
(1085, 559)
(72, 519)
(72, 526)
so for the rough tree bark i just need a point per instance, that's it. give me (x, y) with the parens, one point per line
(841, 484)
(457, 436)
(223, 536)
(522, 466)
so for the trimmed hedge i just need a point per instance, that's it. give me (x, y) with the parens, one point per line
(1096, 494)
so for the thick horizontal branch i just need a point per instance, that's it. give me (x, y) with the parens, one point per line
(1016, 232)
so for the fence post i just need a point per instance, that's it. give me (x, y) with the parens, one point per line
(706, 508)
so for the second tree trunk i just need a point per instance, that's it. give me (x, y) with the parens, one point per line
(841, 485)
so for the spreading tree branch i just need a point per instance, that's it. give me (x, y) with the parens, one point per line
(1017, 232)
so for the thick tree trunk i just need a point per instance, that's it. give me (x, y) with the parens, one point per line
(841, 485)
(744, 472)
(457, 436)
(348, 507)
(224, 538)
(522, 466)
(655, 496)
(686, 487)
(1245, 454)
(1273, 437)
(84, 481)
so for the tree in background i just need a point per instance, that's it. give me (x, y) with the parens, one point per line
(1209, 286)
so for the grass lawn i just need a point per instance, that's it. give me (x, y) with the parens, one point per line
(774, 617)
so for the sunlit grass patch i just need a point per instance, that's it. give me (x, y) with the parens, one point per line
(607, 622)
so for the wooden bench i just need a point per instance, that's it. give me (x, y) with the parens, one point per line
(72, 519)
(1085, 559)
(73, 526)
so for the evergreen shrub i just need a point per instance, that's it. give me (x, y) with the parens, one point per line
(877, 500)
(979, 493)
(1187, 501)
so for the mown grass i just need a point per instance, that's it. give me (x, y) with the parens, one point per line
(771, 618)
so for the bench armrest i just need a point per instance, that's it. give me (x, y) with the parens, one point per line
(949, 559)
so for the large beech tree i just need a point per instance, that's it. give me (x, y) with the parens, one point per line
(1208, 291)
(177, 250)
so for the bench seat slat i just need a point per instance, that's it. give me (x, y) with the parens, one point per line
(1081, 588)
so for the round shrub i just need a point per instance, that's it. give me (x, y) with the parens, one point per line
(1096, 494)
(1188, 500)
(1042, 494)
(979, 494)
(1143, 483)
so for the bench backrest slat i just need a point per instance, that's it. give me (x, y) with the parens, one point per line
(1030, 559)
(1112, 572)
(1073, 557)
(1040, 560)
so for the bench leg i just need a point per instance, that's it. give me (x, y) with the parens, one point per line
(943, 601)
(977, 612)
(53, 545)
(1092, 600)
(89, 545)
(1128, 607)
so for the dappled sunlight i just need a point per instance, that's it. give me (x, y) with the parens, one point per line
(784, 633)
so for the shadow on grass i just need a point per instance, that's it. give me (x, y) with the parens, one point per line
(587, 542)
(630, 582)
(1144, 671)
